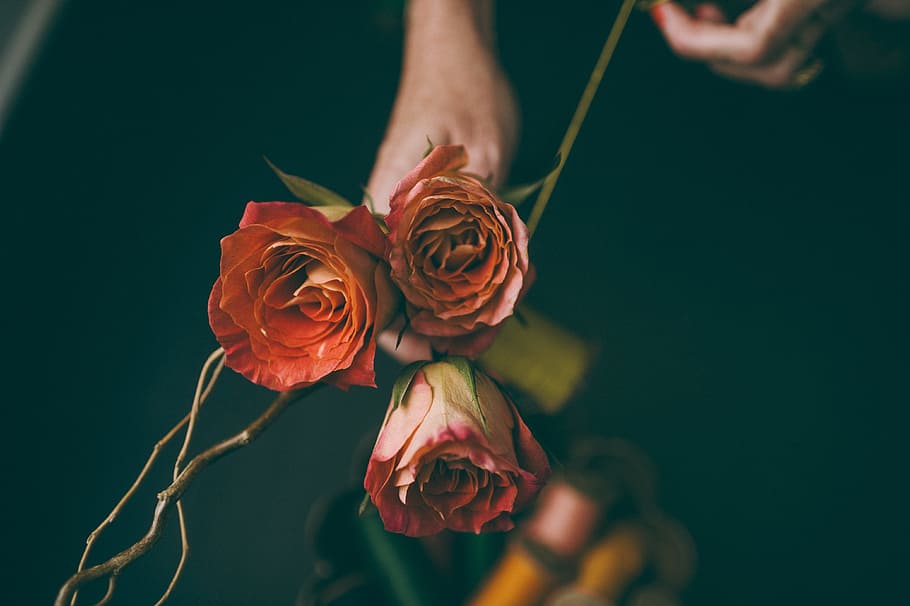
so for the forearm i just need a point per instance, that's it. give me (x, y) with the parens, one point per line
(428, 21)
(439, 32)
(452, 90)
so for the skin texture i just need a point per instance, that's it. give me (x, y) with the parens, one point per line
(452, 90)
(769, 44)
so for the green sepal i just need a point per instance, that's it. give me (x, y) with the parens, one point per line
(430, 146)
(403, 383)
(369, 200)
(517, 194)
(466, 369)
(308, 192)
(364, 503)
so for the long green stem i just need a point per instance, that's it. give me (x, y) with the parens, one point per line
(581, 110)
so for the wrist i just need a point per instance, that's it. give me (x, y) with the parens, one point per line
(448, 27)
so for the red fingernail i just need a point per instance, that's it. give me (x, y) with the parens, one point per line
(657, 15)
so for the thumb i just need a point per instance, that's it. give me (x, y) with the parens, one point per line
(393, 161)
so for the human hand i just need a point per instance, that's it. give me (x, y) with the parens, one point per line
(771, 44)
(452, 90)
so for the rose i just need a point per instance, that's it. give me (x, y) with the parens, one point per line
(458, 253)
(453, 453)
(301, 294)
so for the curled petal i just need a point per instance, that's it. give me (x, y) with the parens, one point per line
(457, 252)
(299, 295)
(445, 459)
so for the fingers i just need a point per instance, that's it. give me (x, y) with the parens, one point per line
(756, 37)
(771, 44)
(486, 162)
(711, 13)
(779, 73)
(396, 157)
(693, 38)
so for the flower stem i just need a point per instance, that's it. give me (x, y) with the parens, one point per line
(581, 110)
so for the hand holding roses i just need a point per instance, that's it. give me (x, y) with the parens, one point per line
(458, 253)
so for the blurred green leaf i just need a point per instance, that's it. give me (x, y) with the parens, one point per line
(364, 503)
(369, 200)
(311, 193)
(517, 194)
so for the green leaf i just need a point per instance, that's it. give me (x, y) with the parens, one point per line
(370, 203)
(517, 194)
(364, 503)
(403, 383)
(429, 148)
(311, 193)
(466, 369)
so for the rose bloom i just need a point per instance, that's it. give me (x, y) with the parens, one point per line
(441, 461)
(458, 253)
(301, 294)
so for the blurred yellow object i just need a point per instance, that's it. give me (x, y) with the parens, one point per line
(539, 358)
(607, 570)
(613, 563)
(520, 579)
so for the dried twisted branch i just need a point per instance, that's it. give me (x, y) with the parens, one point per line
(199, 397)
(168, 498)
(111, 584)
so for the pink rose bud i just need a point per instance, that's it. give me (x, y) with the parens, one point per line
(453, 453)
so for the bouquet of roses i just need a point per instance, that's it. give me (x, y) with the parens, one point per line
(306, 288)
(304, 291)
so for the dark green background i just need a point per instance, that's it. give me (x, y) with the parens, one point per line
(740, 255)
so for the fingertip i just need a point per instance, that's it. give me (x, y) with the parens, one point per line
(674, 22)
(662, 11)
(671, 12)
(657, 15)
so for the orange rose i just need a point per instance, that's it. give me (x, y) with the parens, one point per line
(458, 253)
(453, 453)
(300, 296)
